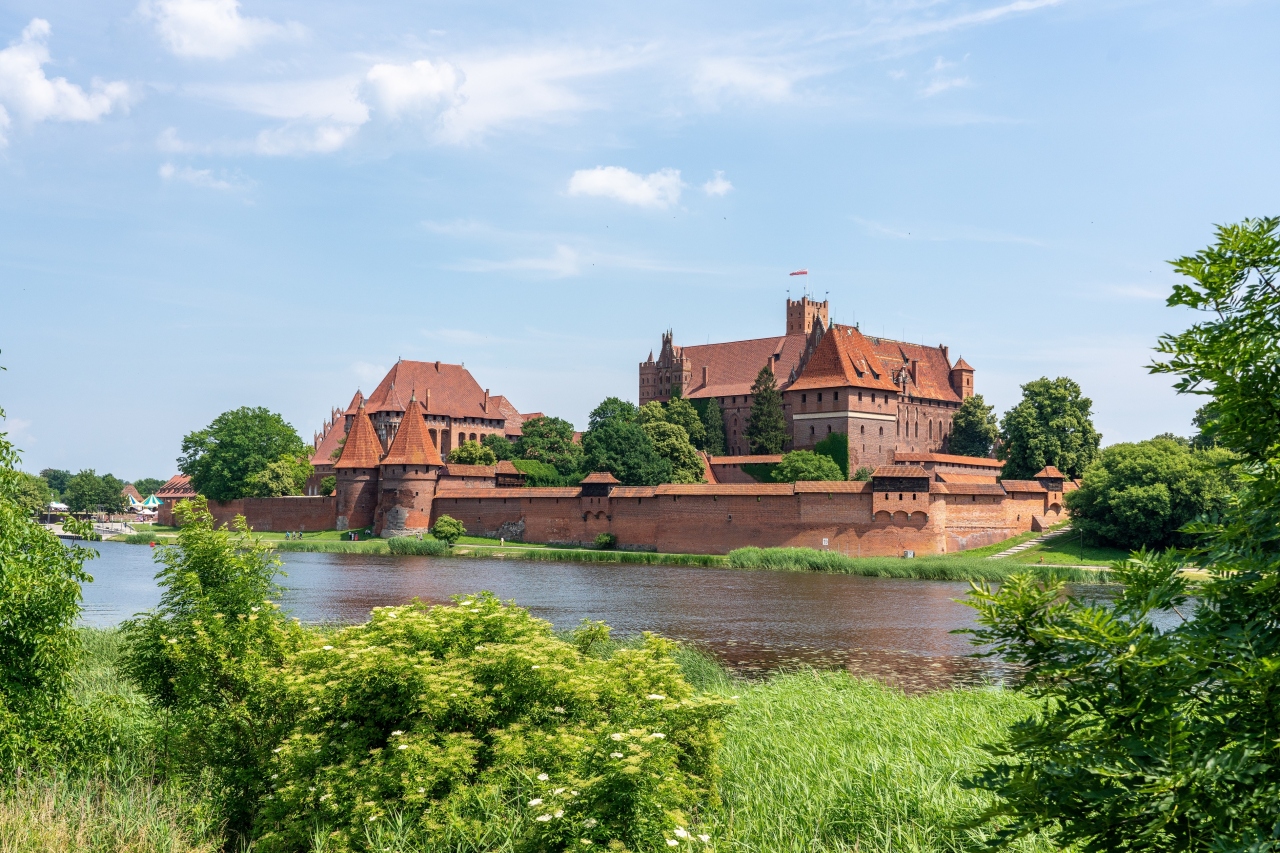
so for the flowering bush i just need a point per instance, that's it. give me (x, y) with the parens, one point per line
(433, 717)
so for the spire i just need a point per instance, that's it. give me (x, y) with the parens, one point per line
(362, 448)
(412, 445)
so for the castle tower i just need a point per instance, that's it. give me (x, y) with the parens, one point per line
(962, 379)
(357, 473)
(801, 314)
(408, 477)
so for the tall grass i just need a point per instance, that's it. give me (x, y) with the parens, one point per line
(360, 546)
(951, 567)
(417, 547)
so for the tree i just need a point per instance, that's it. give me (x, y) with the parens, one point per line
(221, 458)
(805, 465)
(611, 409)
(57, 480)
(87, 492)
(286, 476)
(473, 453)
(836, 448)
(651, 413)
(671, 442)
(1206, 433)
(1053, 425)
(550, 440)
(1150, 736)
(31, 493)
(713, 427)
(974, 428)
(681, 412)
(500, 446)
(328, 484)
(624, 449)
(448, 529)
(767, 426)
(862, 475)
(1140, 495)
(148, 486)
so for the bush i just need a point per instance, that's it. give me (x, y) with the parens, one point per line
(606, 541)
(448, 529)
(805, 465)
(863, 474)
(327, 484)
(541, 474)
(473, 453)
(455, 722)
(412, 546)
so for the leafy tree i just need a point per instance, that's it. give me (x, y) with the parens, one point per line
(612, 409)
(1052, 425)
(31, 493)
(767, 425)
(57, 480)
(473, 453)
(805, 465)
(671, 442)
(835, 447)
(286, 476)
(221, 458)
(448, 529)
(623, 448)
(1176, 439)
(1140, 495)
(1206, 433)
(651, 413)
(1150, 736)
(862, 475)
(681, 412)
(713, 427)
(328, 484)
(974, 429)
(148, 486)
(541, 474)
(500, 447)
(550, 440)
(87, 492)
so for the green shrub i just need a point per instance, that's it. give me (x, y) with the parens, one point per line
(208, 656)
(448, 529)
(836, 446)
(473, 453)
(805, 465)
(412, 546)
(863, 474)
(543, 474)
(606, 541)
(328, 484)
(446, 722)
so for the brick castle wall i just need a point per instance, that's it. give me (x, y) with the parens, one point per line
(270, 514)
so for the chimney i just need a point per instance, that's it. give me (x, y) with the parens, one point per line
(437, 365)
(914, 364)
(486, 400)
(704, 376)
(426, 401)
(946, 352)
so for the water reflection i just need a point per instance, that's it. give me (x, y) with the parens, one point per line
(898, 631)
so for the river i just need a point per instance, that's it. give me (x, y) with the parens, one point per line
(899, 631)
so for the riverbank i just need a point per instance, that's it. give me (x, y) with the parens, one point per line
(882, 773)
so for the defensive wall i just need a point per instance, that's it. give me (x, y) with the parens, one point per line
(269, 514)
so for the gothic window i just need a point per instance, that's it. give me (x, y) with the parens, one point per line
(882, 430)
(835, 395)
(828, 429)
(810, 430)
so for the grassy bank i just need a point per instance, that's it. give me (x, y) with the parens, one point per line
(952, 567)
(812, 761)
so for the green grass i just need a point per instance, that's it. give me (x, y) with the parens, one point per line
(954, 567)
(1066, 550)
(1004, 545)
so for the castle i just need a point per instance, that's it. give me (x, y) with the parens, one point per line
(887, 397)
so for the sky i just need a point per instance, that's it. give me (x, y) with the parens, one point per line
(207, 204)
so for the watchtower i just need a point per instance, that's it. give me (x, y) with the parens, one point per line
(802, 312)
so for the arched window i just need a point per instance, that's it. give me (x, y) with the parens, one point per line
(828, 429)
(882, 430)
(863, 429)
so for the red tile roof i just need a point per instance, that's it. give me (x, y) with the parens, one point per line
(967, 478)
(443, 389)
(844, 358)
(900, 471)
(1023, 486)
(355, 403)
(732, 367)
(947, 459)
(455, 470)
(412, 445)
(601, 477)
(177, 488)
(511, 494)
(961, 365)
(633, 492)
(362, 448)
(1050, 472)
(506, 466)
(129, 491)
(967, 489)
(708, 490)
(762, 459)
(932, 379)
(329, 442)
(832, 487)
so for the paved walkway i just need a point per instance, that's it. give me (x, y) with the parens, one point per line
(1043, 537)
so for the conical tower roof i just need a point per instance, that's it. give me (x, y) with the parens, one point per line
(961, 365)
(412, 445)
(362, 448)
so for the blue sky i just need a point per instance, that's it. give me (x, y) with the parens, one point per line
(206, 204)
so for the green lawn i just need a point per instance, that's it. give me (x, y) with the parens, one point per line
(1067, 551)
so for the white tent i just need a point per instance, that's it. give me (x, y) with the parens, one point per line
(58, 507)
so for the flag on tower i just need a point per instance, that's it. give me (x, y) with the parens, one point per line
(800, 272)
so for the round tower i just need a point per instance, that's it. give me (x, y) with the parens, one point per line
(357, 473)
(408, 475)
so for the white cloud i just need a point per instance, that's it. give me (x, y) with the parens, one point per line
(400, 89)
(737, 77)
(4, 127)
(304, 139)
(210, 29)
(657, 189)
(562, 263)
(26, 90)
(334, 99)
(943, 78)
(718, 185)
(203, 178)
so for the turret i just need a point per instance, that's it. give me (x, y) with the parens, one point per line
(962, 379)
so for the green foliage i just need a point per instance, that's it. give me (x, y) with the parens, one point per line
(651, 413)
(541, 474)
(1140, 495)
(606, 541)
(412, 546)
(671, 442)
(1052, 425)
(1150, 739)
(1206, 433)
(148, 486)
(716, 444)
(448, 529)
(87, 492)
(836, 447)
(761, 472)
(207, 656)
(862, 475)
(57, 480)
(500, 447)
(39, 603)
(767, 425)
(327, 484)
(31, 493)
(286, 476)
(805, 465)
(974, 428)
(550, 440)
(473, 453)
(951, 567)
(681, 412)
(616, 443)
(424, 716)
(221, 459)
(610, 410)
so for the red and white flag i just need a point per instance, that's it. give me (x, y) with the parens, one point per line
(800, 272)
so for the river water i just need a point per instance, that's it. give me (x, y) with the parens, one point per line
(899, 631)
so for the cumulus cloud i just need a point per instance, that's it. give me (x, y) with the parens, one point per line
(210, 29)
(740, 78)
(203, 178)
(31, 95)
(657, 189)
(718, 185)
(399, 89)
